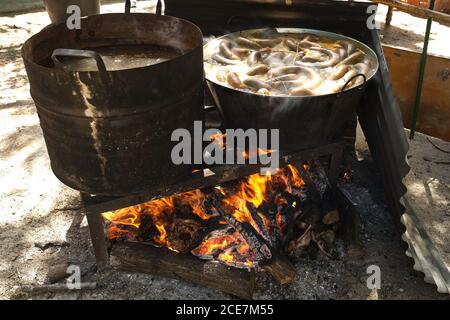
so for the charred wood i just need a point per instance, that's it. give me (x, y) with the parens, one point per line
(136, 257)
(261, 249)
(185, 235)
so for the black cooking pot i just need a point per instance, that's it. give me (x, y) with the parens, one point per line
(303, 121)
(108, 131)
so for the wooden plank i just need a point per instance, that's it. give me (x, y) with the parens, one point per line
(434, 117)
(137, 257)
(416, 11)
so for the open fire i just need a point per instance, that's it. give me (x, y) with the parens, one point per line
(241, 224)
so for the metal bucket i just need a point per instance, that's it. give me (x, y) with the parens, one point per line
(57, 9)
(109, 132)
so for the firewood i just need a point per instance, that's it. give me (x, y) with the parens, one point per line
(138, 257)
(325, 241)
(261, 249)
(281, 269)
(259, 222)
(147, 229)
(318, 179)
(332, 217)
(185, 235)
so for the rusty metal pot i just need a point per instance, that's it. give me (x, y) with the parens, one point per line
(108, 132)
(303, 121)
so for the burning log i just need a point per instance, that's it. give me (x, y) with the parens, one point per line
(259, 219)
(227, 246)
(256, 242)
(185, 235)
(278, 266)
(136, 257)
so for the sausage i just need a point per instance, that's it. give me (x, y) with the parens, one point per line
(290, 57)
(221, 59)
(349, 47)
(221, 76)
(264, 91)
(340, 50)
(254, 58)
(301, 92)
(292, 45)
(241, 52)
(307, 44)
(349, 75)
(310, 37)
(247, 43)
(353, 58)
(285, 77)
(275, 72)
(258, 70)
(224, 49)
(274, 58)
(363, 68)
(338, 72)
(234, 80)
(333, 59)
(255, 84)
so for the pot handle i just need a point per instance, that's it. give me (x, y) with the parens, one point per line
(82, 54)
(353, 78)
(158, 7)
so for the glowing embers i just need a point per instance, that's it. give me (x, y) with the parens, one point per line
(262, 207)
(227, 246)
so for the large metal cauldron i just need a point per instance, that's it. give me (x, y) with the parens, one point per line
(303, 121)
(109, 132)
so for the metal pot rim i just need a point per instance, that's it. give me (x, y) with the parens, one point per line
(28, 43)
(366, 49)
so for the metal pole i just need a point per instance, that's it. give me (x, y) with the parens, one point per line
(423, 63)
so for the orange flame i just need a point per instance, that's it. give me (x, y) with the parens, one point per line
(297, 181)
(232, 249)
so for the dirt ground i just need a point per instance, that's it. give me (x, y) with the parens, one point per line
(42, 223)
(408, 32)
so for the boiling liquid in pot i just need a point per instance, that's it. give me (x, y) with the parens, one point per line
(285, 64)
(122, 58)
